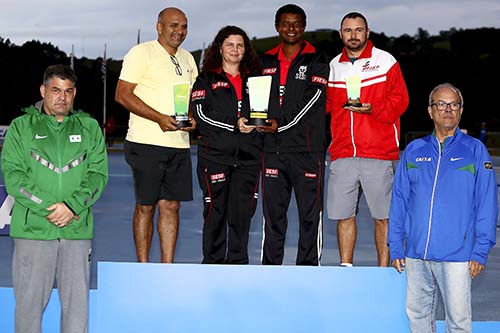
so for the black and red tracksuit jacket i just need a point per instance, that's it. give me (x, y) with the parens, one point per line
(301, 115)
(215, 107)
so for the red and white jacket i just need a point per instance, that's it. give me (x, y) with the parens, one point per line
(374, 135)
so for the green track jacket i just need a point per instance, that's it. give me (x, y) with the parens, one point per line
(45, 162)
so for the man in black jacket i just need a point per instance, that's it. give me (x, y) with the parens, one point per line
(294, 144)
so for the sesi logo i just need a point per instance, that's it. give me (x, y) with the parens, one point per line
(218, 177)
(273, 173)
(198, 94)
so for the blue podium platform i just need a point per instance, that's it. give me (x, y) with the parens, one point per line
(145, 298)
(212, 298)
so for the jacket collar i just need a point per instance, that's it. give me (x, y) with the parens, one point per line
(305, 48)
(449, 140)
(367, 52)
(37, 109)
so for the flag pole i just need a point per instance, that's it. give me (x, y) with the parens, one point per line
(202, 57)
(104, 79)
(72, 58)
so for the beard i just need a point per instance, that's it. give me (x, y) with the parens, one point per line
(357, 46)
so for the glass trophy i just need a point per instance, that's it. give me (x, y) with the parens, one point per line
(353, 84)
(180, 93)
(259, 89)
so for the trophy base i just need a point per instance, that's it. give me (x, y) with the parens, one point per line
(184, 124)
(353, 102)
(183, 121)
(257, 122)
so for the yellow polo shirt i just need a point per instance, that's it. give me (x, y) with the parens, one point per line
(149, 66)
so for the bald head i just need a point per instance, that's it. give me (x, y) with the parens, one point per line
(169, 11)
(172, 28)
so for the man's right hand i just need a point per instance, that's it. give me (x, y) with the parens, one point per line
(399, 264)
(271, 128)
(167, 123)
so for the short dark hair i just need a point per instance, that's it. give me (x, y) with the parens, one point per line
(64, 72)
(290, 9)
(353, 15)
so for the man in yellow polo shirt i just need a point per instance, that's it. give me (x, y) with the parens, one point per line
(155, 148)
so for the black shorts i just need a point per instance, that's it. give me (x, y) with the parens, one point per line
(159, 173)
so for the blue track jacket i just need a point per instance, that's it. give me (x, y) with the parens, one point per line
(444, 201)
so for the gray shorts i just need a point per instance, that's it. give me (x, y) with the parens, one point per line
(350, 177)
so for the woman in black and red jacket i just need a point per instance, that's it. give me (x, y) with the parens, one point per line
(228, 149)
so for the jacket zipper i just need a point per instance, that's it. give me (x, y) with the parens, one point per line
(59, 175)
(26, 216)
(432, 200)
(353, 71)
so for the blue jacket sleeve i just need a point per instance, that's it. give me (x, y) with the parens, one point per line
(486, 203)
(398, 211)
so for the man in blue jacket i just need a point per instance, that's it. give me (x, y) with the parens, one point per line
(443, 216)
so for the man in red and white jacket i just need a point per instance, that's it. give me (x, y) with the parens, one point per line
(365, 137)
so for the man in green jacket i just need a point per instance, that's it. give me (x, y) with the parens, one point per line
(54, 163)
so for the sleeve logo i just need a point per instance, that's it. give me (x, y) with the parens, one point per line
(319, 79)
(198, 94)
(269, 71)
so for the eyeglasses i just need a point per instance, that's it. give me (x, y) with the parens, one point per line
(443, 106)
(178, 69)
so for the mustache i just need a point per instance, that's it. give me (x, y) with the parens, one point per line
(354, 40)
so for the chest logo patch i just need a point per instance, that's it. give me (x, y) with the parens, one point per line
(301, 74)
(369, 68)
(220, 84)
(488, 165)
(39, 137)
(75, 138)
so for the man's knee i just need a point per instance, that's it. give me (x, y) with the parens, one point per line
(382, 222)
(347, 221)
(169, 206)
(144, 209)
